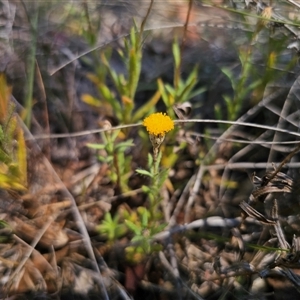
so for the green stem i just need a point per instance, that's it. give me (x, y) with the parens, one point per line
(155, 167)
(31, 69)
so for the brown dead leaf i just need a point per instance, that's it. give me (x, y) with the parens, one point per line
(54, 235)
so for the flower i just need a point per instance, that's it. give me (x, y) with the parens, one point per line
(158, 124)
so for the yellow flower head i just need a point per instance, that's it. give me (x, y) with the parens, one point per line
(158, 124)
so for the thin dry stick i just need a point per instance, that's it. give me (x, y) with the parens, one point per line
(286, 159)
(294, 3)
(258, 141)
(210, 222)
(173, 272)
(278, 229)
(180, 202)
(237, 123)
(246, 165)
(237, 156)
(145, 19)
(173, 260)
(185, 28)
(84, 232)
(282, 117)
(104, 44)
(266, 99)
(167, 265)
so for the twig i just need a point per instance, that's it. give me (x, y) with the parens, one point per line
(210, 222)
(146, 18)
(279, 232)
(257, 141)
(185, 28)
(104, 44)
(181, 202)
(167, 265)
(237, 123)
(246, 165)
(172, 268)
(287, 158)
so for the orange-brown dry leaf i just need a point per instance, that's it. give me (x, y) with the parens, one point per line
(28, 279)
(57, 256)
(54, 235)
(48, 209)
(46, 270)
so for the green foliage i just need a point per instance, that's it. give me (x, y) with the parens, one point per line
(13, 161)
(158, 178)
(240, 86)
(113, 154)
(120, 102)
(145, 222)
(112, 228)
(182, 90)
(143, 232)
(140, 224)
(117, 99)
(82, 20)
(252, 79)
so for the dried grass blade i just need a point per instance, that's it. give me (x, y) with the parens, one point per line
(253, 213)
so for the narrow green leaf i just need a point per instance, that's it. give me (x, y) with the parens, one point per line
(96, 146)
(146, 189)
(145, 218)
(197, 92)
(138, 239)
(146, 108)
(150, 160)
(144, 172)
(228, 73)
(163, 93)
(176, 53)
(136, 229)
(170, 90)
(124, 145)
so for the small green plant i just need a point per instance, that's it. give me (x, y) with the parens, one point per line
(241, 87)
(157, 179)
(146, 221)
(113, 153)
(143, 231)
(252, 79)
(150, 218)
(182, 90)
(120, 102)
(112, 228)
